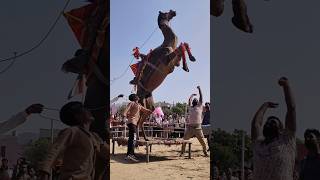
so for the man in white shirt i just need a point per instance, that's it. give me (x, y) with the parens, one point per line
(274, 144)
(19, 118)
(194, 121)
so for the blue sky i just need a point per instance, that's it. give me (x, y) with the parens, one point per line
(36, 77)
(131, 24)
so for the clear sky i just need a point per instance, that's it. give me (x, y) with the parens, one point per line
(246, 67)
(35, 77)
(131, 24)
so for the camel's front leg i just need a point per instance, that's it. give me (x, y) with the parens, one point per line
(241, 19)
(176, 56)
(217, 7)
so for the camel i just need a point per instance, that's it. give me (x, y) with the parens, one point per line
(92, 61)
(240, 18)
(159, 63)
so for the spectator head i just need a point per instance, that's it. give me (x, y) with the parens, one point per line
(133, 97)
(74, 114)
(21, 161)
(24, 168)
(229, 173)
(31, 171)
(312, 140)
(206, 108)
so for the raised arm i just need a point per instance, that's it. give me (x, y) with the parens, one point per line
(257, 122)
(145, 110)
(20, 118)
(290, 123)
(190, 99)
(200, 94)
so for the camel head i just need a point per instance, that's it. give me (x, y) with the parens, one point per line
(77, 63)
(165, 17)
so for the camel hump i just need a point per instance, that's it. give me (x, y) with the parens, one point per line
(162, 51)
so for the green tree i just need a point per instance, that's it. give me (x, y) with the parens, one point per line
(179, 109)
(36, 151)
(166, 110)
(226, 148)
(122, 108)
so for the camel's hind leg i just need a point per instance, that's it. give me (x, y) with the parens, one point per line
(149, 104)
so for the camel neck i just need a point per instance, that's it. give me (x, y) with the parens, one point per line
(170, 38)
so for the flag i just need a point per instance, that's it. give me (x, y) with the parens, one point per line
(76, 19)
(134, 68)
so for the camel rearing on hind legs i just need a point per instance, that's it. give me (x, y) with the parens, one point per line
(159, 63)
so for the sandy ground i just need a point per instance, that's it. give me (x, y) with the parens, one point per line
(165, 164)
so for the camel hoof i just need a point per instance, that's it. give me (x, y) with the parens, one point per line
(217, 8)
(192, 58)
(186, 69)
(243, 25)
(133, 82)
(218, 11)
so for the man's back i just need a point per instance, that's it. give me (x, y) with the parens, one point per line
(78, 146)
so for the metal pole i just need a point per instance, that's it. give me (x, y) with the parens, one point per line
(185, 117)
(51, 131)
(242, 157)
(51, 173)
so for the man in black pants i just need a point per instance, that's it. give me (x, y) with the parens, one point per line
(132, 112)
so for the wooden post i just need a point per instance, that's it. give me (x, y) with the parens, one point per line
(189, 150)
(113, 146)
(147, 149)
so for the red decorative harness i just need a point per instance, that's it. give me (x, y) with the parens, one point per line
(77, 21)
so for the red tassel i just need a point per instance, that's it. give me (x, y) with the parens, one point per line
(136, 52)
(183, 50)
(187, 48)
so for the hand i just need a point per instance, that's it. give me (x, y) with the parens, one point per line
(283, 81)
(120, 96)
(34, 108)
(271, 104)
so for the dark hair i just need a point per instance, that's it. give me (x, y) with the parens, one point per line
(313, 131)
(132, 97)
(68, 111)
(276, 118)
